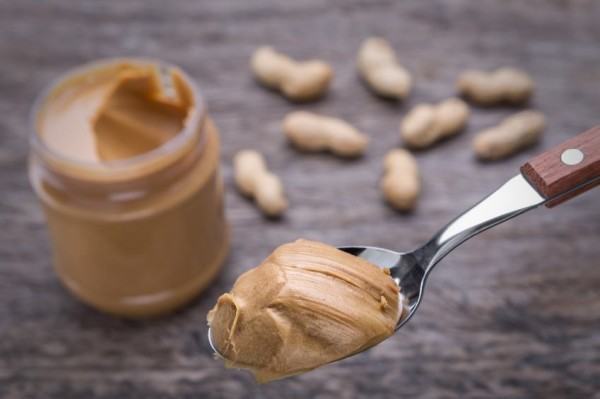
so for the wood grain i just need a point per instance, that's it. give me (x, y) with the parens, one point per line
(552, 178)
(513, 313)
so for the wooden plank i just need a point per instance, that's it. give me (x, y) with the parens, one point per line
(512, 313)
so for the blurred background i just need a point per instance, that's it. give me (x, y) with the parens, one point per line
(515, 312)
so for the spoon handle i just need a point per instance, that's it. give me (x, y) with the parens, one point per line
(550, 178)
(566, 170)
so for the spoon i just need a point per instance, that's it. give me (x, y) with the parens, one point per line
(550, 178)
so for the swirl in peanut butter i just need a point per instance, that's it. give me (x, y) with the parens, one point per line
(306, 305)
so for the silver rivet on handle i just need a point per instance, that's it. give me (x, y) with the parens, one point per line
(572, 156)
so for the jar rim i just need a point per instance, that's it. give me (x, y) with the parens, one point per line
(177, 142)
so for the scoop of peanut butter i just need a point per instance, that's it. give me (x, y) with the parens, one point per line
(306, 305)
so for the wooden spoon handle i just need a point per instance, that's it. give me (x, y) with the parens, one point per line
(566, 170)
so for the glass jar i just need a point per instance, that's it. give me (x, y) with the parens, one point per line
(138, 236)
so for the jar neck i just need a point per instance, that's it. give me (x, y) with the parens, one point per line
(118, 180)
(128, 182)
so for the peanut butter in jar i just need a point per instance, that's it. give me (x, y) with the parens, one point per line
(125, 161)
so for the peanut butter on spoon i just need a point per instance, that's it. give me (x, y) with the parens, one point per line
(306, 305)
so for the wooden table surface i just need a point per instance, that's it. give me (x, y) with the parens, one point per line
(514, 312)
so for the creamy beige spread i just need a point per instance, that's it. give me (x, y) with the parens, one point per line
(129, 181)
(306, 305)
(118, 115)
